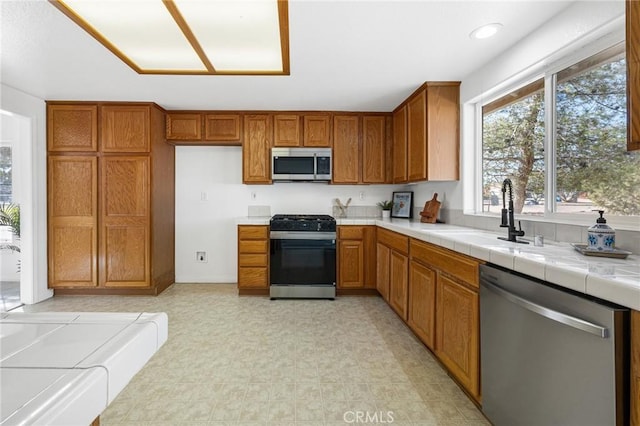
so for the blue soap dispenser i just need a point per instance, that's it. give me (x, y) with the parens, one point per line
(601, 237)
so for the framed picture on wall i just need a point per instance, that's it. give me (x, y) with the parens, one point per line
(402, 204)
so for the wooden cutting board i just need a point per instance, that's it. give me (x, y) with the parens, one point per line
(430, 212)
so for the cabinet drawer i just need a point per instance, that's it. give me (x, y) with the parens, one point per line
(454, 264)
(253, 232)
(252, 277)
(394, 240)
(350, 232)
(252, 246)
(252, 260)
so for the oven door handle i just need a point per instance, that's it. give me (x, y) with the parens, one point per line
(292, 235)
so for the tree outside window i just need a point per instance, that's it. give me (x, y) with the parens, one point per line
(593, 168)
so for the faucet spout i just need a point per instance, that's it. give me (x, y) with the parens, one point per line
(508, 219)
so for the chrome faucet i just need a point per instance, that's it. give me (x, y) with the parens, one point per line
(508, 220)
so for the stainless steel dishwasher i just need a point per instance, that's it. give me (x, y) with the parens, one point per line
(550, 356)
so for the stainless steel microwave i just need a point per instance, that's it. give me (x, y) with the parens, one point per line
(301, 164)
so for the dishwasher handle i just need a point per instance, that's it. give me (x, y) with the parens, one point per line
(560, 317)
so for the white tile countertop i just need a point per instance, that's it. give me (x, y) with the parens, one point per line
(62, 368)
(615, 280)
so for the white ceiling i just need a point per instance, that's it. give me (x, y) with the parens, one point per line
(364, 55)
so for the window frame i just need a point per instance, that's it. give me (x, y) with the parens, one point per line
(526, 78)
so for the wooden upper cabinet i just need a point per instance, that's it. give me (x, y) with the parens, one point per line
(72, 128)
(125, 128)
(432, 134)
(400, 145)
(223, 128)
(184, 126)
(443, 132)
(317, 130)
(256, 150)
(73, 221)
(346, 149)
(417, 137)
(633, 74)
(286, 130)
(374, 149)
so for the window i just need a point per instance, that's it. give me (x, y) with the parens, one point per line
(588, 167)
(5, 174)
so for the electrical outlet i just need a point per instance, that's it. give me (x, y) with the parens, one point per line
(201, 256)
(204, 196)
(254, 195)
(362, 195)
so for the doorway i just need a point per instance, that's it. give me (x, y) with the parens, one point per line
(14, 136)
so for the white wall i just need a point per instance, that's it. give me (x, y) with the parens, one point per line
(580, 30)
(210, 225)
(33, 178)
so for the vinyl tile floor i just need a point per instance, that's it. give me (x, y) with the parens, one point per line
(248, 360)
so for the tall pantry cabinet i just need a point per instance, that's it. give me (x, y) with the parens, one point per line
(110, 198)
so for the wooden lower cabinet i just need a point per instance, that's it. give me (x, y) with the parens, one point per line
(393, 269)
(398, 283)
(356, 257)
(635, 368)
(253, 257)
(422, 303)
(458, 332)
(382, 270)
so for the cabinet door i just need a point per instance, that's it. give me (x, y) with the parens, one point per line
(442, 139)
(417, 137)
(400, 145)
(184, 127)
(125, 128)
(633, 74)
(422, 302)
(317, 131)
(73, 221)
(256, 150)
(222, 128)
(383, 254)
(286, 130)
(125, 239)
(253, 257)
(346, 149)
(373, 149)
(398, 283)
(635, 367)
(72, 128)
(457, 332)
(351, 264)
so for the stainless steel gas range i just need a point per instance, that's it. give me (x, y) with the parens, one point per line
(302, 257)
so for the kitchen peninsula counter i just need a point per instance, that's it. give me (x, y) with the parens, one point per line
(614, 280)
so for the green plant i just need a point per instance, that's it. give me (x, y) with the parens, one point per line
(385, 205)
(10, 216)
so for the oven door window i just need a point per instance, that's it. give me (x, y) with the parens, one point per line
(303, 262)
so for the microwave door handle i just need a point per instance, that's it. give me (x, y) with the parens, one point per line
(315, 166)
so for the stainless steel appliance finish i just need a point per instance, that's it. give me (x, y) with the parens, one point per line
(301, 164)
(302, 257)
(550, 356)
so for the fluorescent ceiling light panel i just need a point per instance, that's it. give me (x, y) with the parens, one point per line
(237, 34)
(189, 36)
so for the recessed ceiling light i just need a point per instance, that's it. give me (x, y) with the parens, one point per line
(485, 31)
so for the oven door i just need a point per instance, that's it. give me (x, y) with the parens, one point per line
(303, 258)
